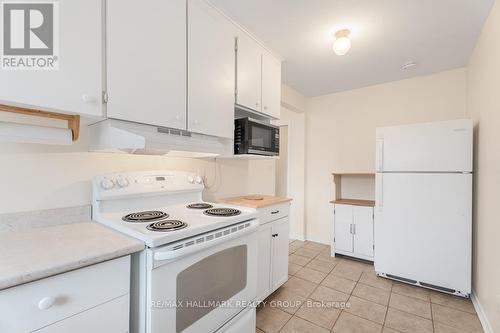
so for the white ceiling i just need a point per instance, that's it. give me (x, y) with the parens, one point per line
(437, 34)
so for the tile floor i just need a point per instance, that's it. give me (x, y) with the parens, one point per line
(312, 300)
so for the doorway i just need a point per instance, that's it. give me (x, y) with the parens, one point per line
(282, 164)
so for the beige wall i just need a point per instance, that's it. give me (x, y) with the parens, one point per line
(37, 177)
(483, 84)
(340, 134)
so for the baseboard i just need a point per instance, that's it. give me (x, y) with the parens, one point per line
(297, 237)
(480, 313)
(318, 241)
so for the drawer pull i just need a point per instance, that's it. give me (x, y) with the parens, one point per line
(46, 303)
(275, 212)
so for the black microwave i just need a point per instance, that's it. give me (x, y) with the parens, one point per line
(255, 137)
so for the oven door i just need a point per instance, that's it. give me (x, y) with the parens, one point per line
(263, 139)
(203, 288)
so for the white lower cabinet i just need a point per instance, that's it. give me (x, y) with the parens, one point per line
(111, 317)
(265, 241)
(89, 299)
(353, 231)
(272, 269)
(279, 272)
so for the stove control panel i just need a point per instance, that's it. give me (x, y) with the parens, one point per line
(138, 183)
(107, 184)
(122, 181)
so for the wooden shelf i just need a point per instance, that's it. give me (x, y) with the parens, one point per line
(337, 180)
(354, 202)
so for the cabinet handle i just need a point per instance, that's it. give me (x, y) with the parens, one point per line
(354, 229)
(274, 235)
(88, 99)
(350, 228)
(46, 303)
(275, 212)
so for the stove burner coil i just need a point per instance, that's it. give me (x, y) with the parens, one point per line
(146, 216)
(199, 206)
(167, 225)
(222, 212)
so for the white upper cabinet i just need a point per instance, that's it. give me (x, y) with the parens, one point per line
(146, 61)
(249, 73)
(271, 85)
(258, 76)
(211, 71)
(76, 86)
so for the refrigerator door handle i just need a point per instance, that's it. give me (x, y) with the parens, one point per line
(380, 190)
(380, 155)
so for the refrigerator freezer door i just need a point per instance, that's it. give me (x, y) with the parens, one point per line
(431, 147)
(423, 228)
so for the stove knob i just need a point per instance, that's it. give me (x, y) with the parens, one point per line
(107, 184)
(198, 180)
(122, 182)
(190, 179)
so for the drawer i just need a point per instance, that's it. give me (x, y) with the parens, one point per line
(110, 317)
(27, 307)
(274, 212)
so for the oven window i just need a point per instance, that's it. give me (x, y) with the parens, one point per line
(261, 137)
(209, 282)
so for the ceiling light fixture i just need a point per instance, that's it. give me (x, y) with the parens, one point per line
(342, 43)
(409, 65)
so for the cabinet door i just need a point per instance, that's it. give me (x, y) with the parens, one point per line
(264, 235)
(76, 87)
(146, 61)
(280, 252)
(249, 73)
(211, 39)
(342, 228)
(110, 317)
(271, 86)
(363, 230)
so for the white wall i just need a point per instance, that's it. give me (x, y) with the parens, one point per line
(340, 134)
(35, 177)
(483, 84)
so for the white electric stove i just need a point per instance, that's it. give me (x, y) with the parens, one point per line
(198, 271)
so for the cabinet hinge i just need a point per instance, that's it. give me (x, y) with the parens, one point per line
(104, 97)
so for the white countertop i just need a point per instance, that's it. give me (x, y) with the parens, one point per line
(41, 252)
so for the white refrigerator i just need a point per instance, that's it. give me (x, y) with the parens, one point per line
(423, 210)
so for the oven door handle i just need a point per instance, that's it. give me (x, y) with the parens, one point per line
(172, 254)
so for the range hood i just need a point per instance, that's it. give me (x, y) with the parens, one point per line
(113, 135)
